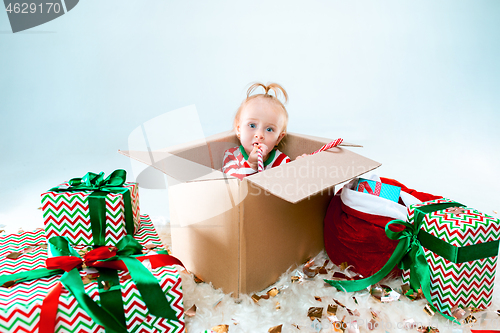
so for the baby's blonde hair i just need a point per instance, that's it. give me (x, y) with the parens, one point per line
(277, 89)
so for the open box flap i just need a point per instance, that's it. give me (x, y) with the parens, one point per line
(307, 176)
(180, 168)
(201, 160)
(315, 140)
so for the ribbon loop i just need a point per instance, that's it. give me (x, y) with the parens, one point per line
(101, 187)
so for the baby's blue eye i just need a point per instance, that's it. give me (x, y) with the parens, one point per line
(251, 125)
(269, 129)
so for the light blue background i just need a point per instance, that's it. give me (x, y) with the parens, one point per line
(416, 82)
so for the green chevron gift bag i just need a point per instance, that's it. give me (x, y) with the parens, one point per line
(461, 247)
(92, 210)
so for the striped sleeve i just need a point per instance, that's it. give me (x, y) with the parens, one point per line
(279, 159)
(235, 165)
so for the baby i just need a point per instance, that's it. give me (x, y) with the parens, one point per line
(260, 122)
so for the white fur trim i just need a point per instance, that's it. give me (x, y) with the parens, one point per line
(372, 204)
(408, 199)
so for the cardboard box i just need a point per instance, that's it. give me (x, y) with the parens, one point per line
(241, 235)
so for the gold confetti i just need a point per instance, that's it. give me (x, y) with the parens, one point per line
(332, 310)
(197, 279)
(106, 285)
(278, 306)
(150, 246)
(338, 303)
(459, 313)
(126, 277)
(9, 284)
(495, 212)
(1, 230)
(256, 298)
(338, 326)
(455, 210)
(28, 249)
(295, 279)
(374, 315)
(429, 309)
(470, 319)
(273, 292)
(275, 329)
(218, 303)
(427, 329)
(308, 271)
(343, 266)
(414, 295)
(322, 269)
(317, 298)
(220, 328)
(13, 255)
(86, 279)
(40, 208)
(315, 312)
(191, 311)
(378, 292)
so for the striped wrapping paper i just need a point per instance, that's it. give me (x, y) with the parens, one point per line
(67, 214)
(467, 284)
(20, 304)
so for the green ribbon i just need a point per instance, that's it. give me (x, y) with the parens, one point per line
(97, 199)
(409, 253)
(111, 314)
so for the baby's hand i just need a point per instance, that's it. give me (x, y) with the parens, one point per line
(301, 156)
(253, 156)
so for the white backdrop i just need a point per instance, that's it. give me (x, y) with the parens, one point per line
(415, 82)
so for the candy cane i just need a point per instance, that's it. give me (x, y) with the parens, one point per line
(332, 144)
(260, 160)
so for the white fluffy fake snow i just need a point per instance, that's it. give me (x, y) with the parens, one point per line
(244, 315)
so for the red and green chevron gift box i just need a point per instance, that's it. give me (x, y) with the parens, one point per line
(68, 213)
(21, 303)
(463, 281)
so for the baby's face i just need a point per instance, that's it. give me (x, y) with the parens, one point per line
(260, 122)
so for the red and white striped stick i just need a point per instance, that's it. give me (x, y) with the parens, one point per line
(332, 144)
(260, 160)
